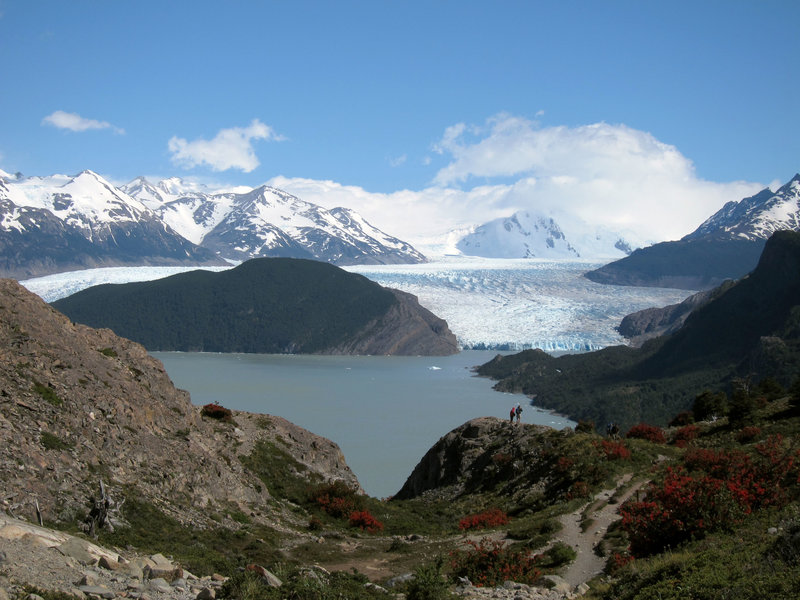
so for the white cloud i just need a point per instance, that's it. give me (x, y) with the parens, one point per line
(230, 149)
(75, 122)
(398, 161)
(611, 175)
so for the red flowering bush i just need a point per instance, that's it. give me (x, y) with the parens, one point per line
(647, 432)
(215, 411)
(682, 418)
(617, 562)
(502, 459)
(337, 499)
(579, 489)
(364, 520)
(615, 450)
(685, 435)
(748, 434)
(489, 518)
(564, 464)
(712, 490)
(490, 563)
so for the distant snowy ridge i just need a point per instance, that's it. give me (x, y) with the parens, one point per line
(240, 224)
(756, 217)
(529, 234)
(59, 223)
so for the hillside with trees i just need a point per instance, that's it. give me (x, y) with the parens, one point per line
(267, 305)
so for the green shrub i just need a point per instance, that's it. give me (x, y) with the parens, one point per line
(48, 393)
(559, 554)
(52, 442)
(429, 583)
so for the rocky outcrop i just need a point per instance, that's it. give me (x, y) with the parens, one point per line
(407, 329)
(79, 405)
(476, 456)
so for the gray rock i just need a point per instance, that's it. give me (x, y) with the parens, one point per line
(559, 584)
(162, 561)
(78, 550)
(206, 594)
(87, 579)
(400, 580)
(179, 583)
(159, 584)
(3, 594)
(267, 578)
(107, 563)
(98, 590)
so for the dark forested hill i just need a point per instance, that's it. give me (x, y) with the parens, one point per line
(751, 330)
(683, 264)
(268, 305)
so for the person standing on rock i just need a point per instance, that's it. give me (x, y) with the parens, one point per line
(519, 412)
(511, 416)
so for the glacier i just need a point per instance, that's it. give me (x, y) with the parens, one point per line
(492, 304)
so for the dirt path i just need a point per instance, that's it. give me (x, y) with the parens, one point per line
(602, 515)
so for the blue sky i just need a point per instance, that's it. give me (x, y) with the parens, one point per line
(423, 116)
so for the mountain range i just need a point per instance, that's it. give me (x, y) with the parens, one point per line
(61, 223)
(726, 246)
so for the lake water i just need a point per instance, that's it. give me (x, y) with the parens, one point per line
(384, 412)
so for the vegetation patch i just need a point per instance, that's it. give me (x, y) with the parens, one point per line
(487, 563)
(217, 412)
(48, 393)
(52, 442)
(284, 476)
(489, 518)
(201, 551)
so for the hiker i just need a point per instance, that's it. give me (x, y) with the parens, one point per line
(511, 416)
(519, 412)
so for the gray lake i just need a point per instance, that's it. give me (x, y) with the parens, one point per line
(384, 412)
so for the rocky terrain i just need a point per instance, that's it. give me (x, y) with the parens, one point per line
(80, 405)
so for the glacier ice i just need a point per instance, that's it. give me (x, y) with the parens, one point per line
(497, 304)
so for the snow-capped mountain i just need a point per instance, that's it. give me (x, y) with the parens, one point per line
(59, 223)
(756, 217)
(727, 245)
(242, 224)
(528, 234)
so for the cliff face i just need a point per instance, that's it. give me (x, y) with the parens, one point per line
(407, 329)
(78, 405)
